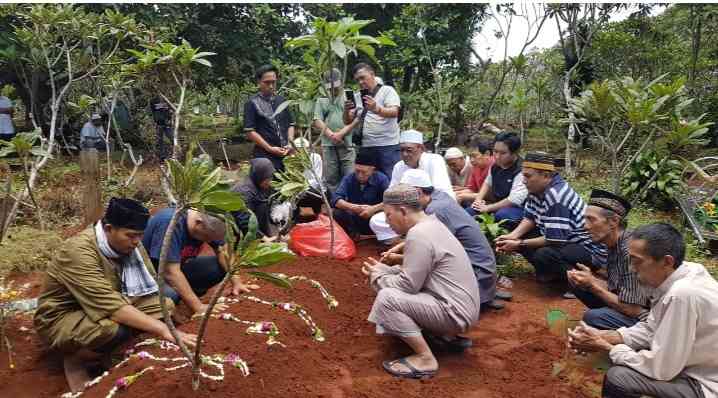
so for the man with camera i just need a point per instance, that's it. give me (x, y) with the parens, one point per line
(378, 129)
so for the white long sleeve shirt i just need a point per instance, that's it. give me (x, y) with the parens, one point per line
(434, 166)
(681, 332)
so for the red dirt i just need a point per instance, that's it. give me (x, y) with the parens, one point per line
(513, 351)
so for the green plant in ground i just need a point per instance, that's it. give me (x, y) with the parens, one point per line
(23, 144)
(197, 185)
(653, 180)
(490, 227)
(707, 216)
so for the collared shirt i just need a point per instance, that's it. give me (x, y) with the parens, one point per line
(371, 193)
(469, 234)
(6, 126)
(183, 247)
(681, 332)
(332, 114)
(461, 179)
(478, 176)
(274, 132)
(434, 166)
(622, 281)
(92, 134)
(559, 215)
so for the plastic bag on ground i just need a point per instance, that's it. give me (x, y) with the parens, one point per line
(312, 239)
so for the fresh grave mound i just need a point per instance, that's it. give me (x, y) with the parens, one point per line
(513, 353)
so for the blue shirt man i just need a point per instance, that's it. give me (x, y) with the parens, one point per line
(359, 196)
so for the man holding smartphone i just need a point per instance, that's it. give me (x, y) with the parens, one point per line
(337, 147)
(378, 128)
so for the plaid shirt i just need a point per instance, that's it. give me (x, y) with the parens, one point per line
(622, 281)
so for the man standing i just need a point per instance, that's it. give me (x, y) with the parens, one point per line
(459, 168)
(99, 289)
(465, 229)
(162, 116)
(557, 211)
(188, 272)
(270, 133)
(413, 157)
(503, 192)
(93, 134)
(7, 129)
(337, 146)
(434, 290)
(622, 301)
(378, 129)
(673, 352)
(359, 196)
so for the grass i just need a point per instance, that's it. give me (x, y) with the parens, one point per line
(28, 249)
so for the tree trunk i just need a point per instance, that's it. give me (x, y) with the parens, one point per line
(197, 366)
(91, 195)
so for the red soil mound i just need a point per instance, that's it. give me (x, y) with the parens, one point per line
(513, 351)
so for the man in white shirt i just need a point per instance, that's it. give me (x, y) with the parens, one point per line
(674, 353)
(93, 134)
(312, 198)
(7, 130)
(413, 156)
(379, 106)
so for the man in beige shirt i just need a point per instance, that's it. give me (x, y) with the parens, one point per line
(674, 353)
(434, 290)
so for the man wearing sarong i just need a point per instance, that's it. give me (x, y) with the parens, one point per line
(100, 288)
(434, 290)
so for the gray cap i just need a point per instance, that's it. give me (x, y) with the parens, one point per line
(332, 78)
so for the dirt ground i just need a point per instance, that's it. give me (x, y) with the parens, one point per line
(513, 355)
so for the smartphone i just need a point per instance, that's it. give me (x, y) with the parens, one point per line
(363, 93)
(349, 95)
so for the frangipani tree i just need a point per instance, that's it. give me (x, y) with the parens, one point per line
(197, 185)
(168, 69)
(68, 45)
(629, 117)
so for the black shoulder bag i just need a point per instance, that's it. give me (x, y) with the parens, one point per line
(359, 133)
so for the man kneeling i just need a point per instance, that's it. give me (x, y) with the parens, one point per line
(99, 289)
(433, 290)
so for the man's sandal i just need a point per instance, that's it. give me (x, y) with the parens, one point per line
(413, 373)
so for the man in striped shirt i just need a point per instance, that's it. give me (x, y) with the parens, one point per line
(556, 211)
(620, 301)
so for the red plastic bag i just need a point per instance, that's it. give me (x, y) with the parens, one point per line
(312, 239)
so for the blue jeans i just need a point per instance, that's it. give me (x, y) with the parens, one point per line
(385, 157)
(600, 315)
(202, 274)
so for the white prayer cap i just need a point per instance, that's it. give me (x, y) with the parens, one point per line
(301, 142)
(453, 153)
(416, 178)
(95, 116)
(411, 137)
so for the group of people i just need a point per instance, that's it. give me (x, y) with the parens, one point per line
(655, 313)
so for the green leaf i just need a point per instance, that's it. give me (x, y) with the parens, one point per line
(251, 234)
(339, 48)
(282, 107)
(224, 200)
(272, 278)
(264, 254)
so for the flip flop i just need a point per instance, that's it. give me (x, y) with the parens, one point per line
(413, 373)
(503, 295)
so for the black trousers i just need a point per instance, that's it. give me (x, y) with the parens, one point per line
(557, 259)
(312, 199)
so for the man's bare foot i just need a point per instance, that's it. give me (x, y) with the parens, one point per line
(75, 373)
(419, 362)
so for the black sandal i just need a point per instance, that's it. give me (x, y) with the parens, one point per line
(413, 373)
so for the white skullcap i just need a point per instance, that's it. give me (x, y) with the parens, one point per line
(95, 116)
(453, 153)
(416, 178)
(411, 137)
(301, 142)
